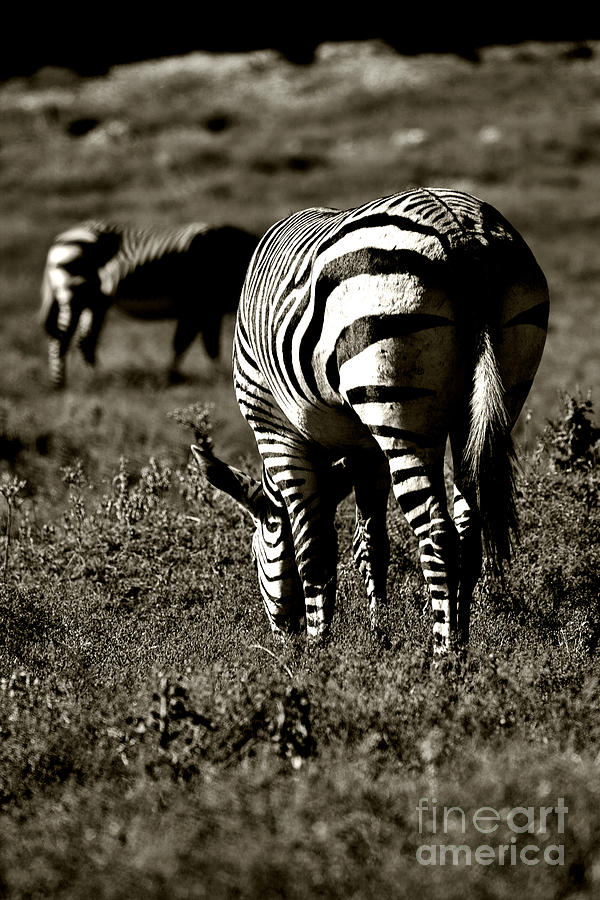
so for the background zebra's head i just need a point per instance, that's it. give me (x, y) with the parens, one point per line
(61, 322)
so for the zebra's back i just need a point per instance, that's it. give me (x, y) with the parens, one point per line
(144, 270)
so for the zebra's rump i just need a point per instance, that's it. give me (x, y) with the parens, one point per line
(375, 311)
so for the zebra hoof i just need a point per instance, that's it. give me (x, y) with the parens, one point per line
(382, 637)
(287, 628)
(380, 624)
(450, 663)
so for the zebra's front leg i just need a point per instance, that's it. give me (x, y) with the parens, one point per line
(274, 558)
(316, 559)
(60, 339)
(311, 513)
(371, 544)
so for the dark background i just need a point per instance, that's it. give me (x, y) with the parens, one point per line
(91, 38)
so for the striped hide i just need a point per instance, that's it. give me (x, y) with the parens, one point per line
(365, 340)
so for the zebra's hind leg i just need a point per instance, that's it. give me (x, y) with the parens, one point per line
(466, 520)
(420, 492)
(371, 544)
(467, 523)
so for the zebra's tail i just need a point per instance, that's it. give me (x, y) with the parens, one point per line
(488, 463)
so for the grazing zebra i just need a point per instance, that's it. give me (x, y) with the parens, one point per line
(364, 340)
(193, 274)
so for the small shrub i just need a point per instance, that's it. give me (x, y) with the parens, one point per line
(571, 440)
(198, 417)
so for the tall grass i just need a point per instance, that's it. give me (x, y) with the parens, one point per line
(157, 741)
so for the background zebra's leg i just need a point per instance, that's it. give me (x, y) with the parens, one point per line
(56, 362)
(90, 326)
(185, 332)
(211, 337)
(60, 338)
(371, 544)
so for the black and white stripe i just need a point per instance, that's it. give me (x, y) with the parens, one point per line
(193, 274)
(364, 340)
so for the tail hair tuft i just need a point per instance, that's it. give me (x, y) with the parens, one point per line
(489, 461)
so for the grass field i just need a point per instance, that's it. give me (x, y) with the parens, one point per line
(155, 741)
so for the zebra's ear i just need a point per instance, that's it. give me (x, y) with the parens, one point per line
(247, 491)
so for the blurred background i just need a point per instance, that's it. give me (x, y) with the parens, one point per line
(179, 122)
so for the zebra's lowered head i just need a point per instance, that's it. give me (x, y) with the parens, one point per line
(245, 489)
(272, 540)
